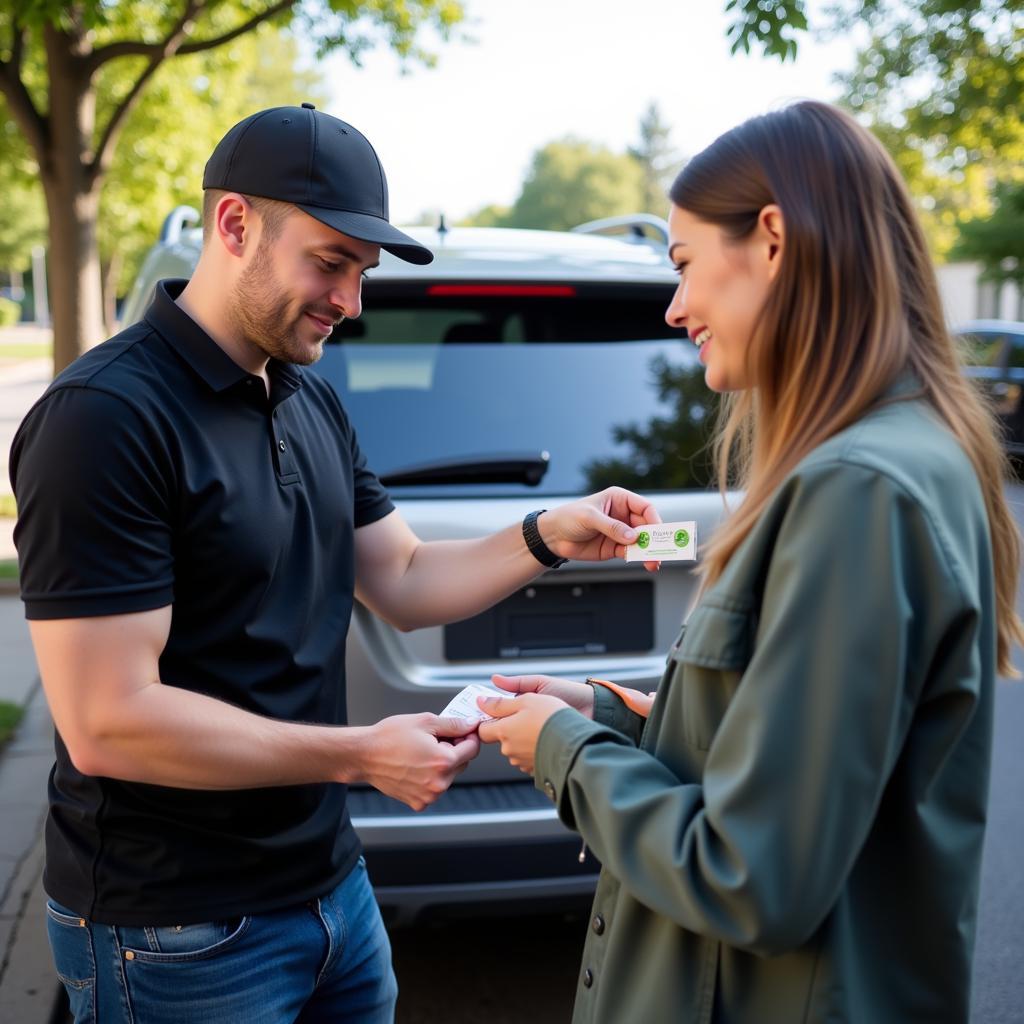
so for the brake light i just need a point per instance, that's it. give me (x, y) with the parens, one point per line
(564, 291)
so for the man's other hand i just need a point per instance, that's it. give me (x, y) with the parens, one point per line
(415, 758)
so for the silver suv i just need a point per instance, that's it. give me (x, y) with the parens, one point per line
(519, 370)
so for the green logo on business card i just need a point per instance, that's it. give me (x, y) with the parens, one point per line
(682, 538)
(643, 540)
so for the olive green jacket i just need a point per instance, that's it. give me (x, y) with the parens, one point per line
(795, 834)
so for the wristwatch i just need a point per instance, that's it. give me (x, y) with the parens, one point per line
(537, 547)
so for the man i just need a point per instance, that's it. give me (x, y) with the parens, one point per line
(196, 517)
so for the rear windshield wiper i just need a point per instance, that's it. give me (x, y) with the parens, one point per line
(507, 468)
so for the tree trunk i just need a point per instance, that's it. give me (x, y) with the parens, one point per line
(72, 202)
(111, 277)
(74, 272)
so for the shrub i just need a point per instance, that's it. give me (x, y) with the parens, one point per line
(10, 312)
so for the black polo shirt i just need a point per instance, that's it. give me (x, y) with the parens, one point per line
(155, 471)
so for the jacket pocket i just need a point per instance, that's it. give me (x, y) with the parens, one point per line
(709, 663)
(719, 634)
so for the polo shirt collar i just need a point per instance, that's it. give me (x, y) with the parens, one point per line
(199, 350)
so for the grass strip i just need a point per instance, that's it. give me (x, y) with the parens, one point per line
(10, 716)
(8, 507)
(26, 350)
(8, 568)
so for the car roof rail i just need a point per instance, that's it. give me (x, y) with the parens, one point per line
(176, 221)
(637, 226)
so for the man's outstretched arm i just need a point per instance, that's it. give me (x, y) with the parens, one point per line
(412, 583)
(101, 677)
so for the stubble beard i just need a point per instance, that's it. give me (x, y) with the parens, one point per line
(262, 309)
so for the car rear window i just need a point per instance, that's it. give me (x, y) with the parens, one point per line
(593, 376)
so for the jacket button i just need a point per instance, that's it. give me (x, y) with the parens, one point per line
(281, 445)
(588, 978)
(549, 788)
(598, 925)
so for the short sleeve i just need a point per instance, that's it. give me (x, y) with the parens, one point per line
(372, 501)
(94, 532)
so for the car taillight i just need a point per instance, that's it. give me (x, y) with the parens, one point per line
(549, 290)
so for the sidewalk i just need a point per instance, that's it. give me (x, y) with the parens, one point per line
(21, 383)
(28, 985)
(29, 988)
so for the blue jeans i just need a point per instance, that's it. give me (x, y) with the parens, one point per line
(328, 960)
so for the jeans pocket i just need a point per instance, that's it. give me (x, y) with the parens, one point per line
(73, 956)
(178, 943)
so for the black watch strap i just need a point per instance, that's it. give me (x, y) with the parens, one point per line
(537, 547)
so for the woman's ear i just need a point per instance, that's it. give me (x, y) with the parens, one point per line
(771, 232)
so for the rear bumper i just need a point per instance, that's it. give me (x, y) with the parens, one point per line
(480, 849)
(402, 906)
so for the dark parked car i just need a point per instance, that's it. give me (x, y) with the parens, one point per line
(994, 353)
(519, 370)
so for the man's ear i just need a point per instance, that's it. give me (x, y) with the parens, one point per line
(771, 231)
(233, 222)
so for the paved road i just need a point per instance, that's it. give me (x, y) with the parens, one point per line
(998, 977)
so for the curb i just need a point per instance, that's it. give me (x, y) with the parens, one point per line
(29, 990)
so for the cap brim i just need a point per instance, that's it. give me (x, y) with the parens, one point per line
(368, 228)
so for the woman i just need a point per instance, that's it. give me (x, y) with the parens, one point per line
(794, 832)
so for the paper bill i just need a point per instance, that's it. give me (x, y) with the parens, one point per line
(464, 707)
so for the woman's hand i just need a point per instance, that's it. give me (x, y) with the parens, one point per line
(518, 722)
(577, 695)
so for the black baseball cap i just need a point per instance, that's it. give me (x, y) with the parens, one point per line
(325, 167)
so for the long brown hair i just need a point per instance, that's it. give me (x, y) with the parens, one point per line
(855, 303)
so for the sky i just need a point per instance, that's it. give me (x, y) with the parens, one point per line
(461, 135)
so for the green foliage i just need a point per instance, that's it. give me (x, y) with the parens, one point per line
(491, 216)
(658, 160)
(942, 84)
(8, 507)
(997, 241)
(10, 312)
(10, 716)
(353, 26)
(570, 182)
(22, 211)
(771, 24)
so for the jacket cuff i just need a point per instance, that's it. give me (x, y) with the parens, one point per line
(558, 744)
(611, 710)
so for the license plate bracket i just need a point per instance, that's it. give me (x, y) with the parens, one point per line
(565, 619)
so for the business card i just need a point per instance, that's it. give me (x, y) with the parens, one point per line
(664, 542)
